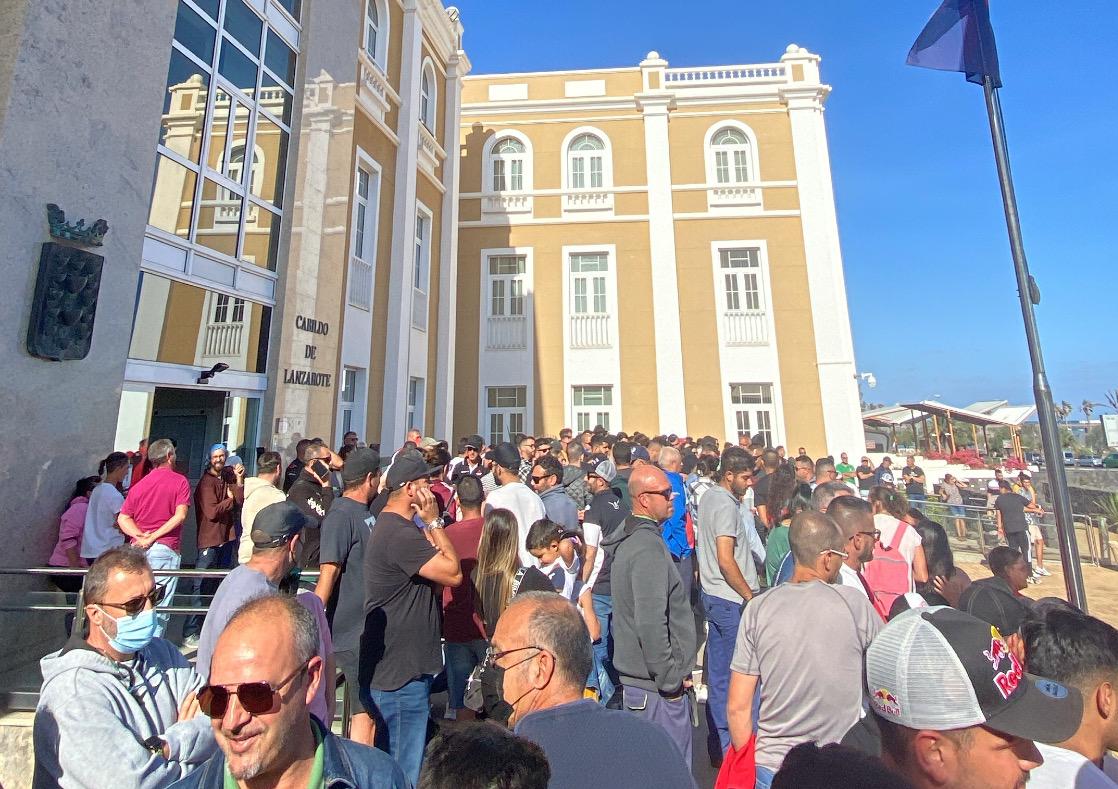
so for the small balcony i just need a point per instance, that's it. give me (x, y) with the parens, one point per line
(745, 327)
(431, 154)
(590, 331)
(733, 196)
(498, 203)
(223, 341)
(597, 200)
(506, 333)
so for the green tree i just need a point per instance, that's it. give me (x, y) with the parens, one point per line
(1087, 408)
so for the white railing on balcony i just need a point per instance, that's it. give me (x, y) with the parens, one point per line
(746, 327)
(431, 154)
(360, 283)
(507, 203)
(376, 94)
(419, 309)
(223, 340)
(590, 331)
(588, 200)
(506, 333)
(725, 75)
(734, 195)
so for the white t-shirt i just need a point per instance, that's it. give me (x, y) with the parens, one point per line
(564, 576)
(101, 532)
(849, 577)
(888, 525)
(526, 506)
(593, 534)
(1064, 769)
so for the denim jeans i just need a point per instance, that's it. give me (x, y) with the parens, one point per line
(160, 557)
(602, 675)
(764, 777)
(401, 719)
(723, 618)
(219, 557)
(917, 500)
(461, 659)
(673, 716)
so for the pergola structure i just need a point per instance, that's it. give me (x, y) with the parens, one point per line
(931, 411)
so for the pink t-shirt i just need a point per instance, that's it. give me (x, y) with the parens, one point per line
(310, 601)
(152, 501)
(70, 530)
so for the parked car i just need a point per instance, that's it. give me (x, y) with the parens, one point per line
(1069, 458)
(1110, 461)
(1034, 458)
(1088, 461)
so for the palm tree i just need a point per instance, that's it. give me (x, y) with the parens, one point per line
(1065, 410)
(1112, 398)
(1087, 408)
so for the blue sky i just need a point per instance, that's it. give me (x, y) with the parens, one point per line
(929, 276)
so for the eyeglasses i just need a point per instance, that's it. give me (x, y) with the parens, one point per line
(842, 554)
(492, 657)
(667, 493)
(137, 604)
(257, 698)
(538, 480)
(876, 534)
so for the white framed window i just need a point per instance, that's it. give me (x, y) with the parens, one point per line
(508, 165)
(589, 283)
(428, 96)
(754, 410)
(731, 154)
(506, 409)
(228, 309)
(416, 402)
(593, 406)
(351, 402)
(421, 267)
(741, 274)
(587, 162)
(506, 285)
(366, 211)
(376, 31)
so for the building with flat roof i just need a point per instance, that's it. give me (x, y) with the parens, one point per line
(655, 249)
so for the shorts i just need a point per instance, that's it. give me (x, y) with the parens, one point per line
(1034, 532)
(957, 511)
(461, 660)
(346, 664)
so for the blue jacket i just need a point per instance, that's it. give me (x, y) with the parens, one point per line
(346, 765)
(674, 529)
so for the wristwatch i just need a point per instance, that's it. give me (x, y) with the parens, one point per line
(437, 523)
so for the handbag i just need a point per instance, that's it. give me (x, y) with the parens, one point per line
(739, 768)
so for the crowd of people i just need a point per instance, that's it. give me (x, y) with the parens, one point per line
(578, 598)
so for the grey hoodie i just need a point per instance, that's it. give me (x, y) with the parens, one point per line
(653, 626)
(94, 715)
(559, 507)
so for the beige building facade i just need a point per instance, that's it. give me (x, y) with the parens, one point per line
(654, 249)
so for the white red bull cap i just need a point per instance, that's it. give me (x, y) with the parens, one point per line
(942, 669)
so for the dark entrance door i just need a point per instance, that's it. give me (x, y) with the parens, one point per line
(192, 418)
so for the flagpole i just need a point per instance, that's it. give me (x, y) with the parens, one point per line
(1049, 432)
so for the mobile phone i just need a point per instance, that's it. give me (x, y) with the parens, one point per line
(320, 468)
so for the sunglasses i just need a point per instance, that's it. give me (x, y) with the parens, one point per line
(138, 604)
(667, 493)
(257, 698)
(538, 480)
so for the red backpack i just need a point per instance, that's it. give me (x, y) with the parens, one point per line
(889, 573)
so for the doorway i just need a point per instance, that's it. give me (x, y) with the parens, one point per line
(193, 420)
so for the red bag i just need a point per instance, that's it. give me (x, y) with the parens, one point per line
(739, 768)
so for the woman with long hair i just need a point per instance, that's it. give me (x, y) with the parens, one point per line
(70, 527)
(889, 510)
(787, 497)
(105, 502)
(947, 581)
(952, 488)
(498, 576)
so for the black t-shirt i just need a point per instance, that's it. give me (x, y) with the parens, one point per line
(608, 511)
(761, 490)
(620, 486)
(314, 501)
(403, 615)
(1012, 508)
(291, 473)
(867, 483)
(344, 531)
(911, 485)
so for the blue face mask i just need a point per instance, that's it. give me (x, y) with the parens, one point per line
(133, 633)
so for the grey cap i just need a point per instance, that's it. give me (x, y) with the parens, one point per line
(605, 469)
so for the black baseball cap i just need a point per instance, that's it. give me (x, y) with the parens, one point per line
(475, 441)
(276, 524)
(505, 455)
(943, 669)
(409, 466)
(359, 464)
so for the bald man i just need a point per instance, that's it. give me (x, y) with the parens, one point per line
(823, 630)
(654, 643)
(268, 655)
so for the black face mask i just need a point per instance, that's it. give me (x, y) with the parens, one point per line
(484, 693)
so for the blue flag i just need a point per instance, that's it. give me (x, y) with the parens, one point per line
(959, 37)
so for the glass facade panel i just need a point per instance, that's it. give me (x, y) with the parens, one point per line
(172, 198)
(272, 142)
(243, 24)
(262, 235)
(280, 58)
(276, 99)
(219, 217)
(184, 103)
(178, 323)
(194, 33)
(238, 69)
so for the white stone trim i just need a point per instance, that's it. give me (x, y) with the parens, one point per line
(572, 201)
(507, 201)
(507, 368)
(382, 6)
(141, 374)
(563, 220)
(734, 196)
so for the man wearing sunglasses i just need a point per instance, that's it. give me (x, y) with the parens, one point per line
(804, 643)
(854, 517)
(653, 626)
(264, 675)
(547, 481)
(118, 708)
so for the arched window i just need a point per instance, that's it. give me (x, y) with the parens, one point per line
(732, 157)
(428, 93)
(376, 32)
(586, 162)
(508, 165)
